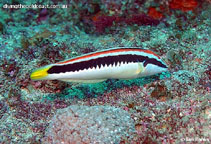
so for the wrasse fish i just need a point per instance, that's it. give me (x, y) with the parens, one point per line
(117, 63)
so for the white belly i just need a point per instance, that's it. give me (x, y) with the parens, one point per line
(120, 71)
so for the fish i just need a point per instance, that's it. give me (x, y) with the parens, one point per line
(114, 63)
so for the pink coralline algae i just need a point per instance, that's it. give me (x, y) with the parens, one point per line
(84, 124)
(101, 22)
(43, 15)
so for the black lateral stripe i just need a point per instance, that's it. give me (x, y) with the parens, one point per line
(96, 62)
(155, 62)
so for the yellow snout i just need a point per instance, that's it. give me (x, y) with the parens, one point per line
(40, 73)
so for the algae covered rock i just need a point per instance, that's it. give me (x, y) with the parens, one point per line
(85, 124)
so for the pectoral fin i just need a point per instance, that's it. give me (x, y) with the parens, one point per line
(140, 68)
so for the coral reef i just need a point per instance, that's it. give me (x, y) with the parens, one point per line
(173, 107)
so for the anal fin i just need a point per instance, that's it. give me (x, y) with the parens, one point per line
(83, 81)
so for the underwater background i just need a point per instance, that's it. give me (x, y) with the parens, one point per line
(172, 107)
